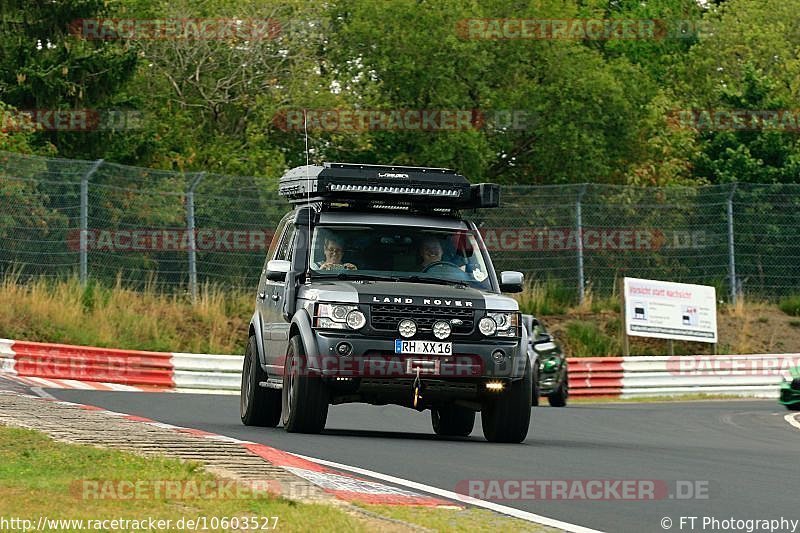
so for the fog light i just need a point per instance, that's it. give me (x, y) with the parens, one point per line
(344, 348)
(495, 386)
(498, 356)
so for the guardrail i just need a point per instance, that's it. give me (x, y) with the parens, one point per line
(756, 375)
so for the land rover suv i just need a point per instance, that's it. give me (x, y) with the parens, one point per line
(375, 289)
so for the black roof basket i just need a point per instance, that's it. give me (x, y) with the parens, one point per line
(385, 186)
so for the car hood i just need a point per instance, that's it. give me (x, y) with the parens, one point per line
(405, 293)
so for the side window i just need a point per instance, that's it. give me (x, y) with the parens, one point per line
(284, 250)
(276, 238)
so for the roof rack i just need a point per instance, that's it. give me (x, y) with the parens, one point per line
(385, 186)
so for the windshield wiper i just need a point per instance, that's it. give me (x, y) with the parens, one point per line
(354, 275)
(438, 281)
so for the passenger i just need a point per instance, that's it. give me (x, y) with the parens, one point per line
(334, 253)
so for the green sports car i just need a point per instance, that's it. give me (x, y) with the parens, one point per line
(551, 378)
(790, 390)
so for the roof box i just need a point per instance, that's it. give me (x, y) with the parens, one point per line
(385, 185)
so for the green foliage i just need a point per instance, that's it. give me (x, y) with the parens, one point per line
(586, 339)
(545, 298)
(790, 305)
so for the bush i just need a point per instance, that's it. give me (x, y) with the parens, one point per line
(586, 339)
(790, 305)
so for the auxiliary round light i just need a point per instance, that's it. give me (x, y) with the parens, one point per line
(487, 326)
(407, 328)
(441, 329)
(356, 319)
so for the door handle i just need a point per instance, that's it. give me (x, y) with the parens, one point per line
(276, 297)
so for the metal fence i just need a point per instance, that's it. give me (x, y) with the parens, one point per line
(104, 221)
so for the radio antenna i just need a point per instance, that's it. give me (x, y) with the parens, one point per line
(308, 197)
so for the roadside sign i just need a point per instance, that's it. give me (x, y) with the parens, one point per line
(667, 310)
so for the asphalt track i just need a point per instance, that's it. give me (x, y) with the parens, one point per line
(743, 452)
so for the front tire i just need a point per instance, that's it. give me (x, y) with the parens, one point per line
(452, 421)
(507, 418)
(305, 396)
(558, 398)
(257, 406)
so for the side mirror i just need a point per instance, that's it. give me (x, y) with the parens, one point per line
(544, 347)
(511, 281)
(277, 270)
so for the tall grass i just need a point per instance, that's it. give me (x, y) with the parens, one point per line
(586, 339)
(790, 305)
(545, 298)
(115, 316)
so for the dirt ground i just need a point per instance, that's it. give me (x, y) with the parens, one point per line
(744, 329)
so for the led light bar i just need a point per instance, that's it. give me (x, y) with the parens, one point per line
(367, 185)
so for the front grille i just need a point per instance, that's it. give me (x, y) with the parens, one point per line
(386, 317)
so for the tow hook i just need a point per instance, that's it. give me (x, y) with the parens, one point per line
(417, 391)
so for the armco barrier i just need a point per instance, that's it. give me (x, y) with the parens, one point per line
(626, 377)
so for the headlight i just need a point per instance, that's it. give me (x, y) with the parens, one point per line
(507, 323)
(338, 316)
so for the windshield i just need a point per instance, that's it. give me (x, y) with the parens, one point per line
(404, 254)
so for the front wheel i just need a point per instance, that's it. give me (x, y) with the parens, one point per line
(507, 418)
(257, 406)
(452, 421)
(305, 396)
(558, 398)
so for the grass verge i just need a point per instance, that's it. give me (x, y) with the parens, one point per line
(118, 317)
(40, 477)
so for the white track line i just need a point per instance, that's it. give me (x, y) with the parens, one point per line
(40, 392)
(792, 419)
(502, 509)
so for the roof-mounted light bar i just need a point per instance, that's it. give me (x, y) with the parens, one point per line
(365, 184)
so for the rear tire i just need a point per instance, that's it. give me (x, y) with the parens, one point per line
(305, 396)
(257, 406)
(558, 398)
(793, 407)
(452, 421)
(507, 418)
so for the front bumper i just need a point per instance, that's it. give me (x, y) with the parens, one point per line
(788, 394)
(374, 358)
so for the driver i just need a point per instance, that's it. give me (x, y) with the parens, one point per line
(334, 252)
(430, 251)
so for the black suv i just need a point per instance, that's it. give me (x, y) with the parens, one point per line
(376, 290)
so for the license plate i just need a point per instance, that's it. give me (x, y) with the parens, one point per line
(423, 347)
